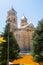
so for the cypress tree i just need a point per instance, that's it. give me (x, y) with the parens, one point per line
(37, 43)
(13, 47)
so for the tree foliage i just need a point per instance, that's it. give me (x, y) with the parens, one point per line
(13, 47)
(37, 43)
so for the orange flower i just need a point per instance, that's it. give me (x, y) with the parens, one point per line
(26, 59)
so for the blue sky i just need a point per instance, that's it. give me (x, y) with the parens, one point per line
(32, 9)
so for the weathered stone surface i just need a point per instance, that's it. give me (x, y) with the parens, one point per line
(23, 35)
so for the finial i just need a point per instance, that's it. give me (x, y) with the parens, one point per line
(23, 14)
(12, 6)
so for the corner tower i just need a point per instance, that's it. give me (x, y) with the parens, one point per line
(23, 21)
(12, 19)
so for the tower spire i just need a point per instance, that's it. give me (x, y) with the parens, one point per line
(23, 14)
(12, 6)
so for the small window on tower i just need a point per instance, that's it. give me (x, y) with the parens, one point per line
(14, 19)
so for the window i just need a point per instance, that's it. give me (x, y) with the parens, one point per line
(17, 36)
(14, 19)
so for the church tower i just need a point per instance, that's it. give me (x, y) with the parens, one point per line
(12, 19)
(23, 21)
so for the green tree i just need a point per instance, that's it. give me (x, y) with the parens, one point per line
(1, 48)
(37, 43)
(13, 47)
(0, 52)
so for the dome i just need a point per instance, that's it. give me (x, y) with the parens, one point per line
(23, 18)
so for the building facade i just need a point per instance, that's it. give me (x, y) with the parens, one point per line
(23, 34)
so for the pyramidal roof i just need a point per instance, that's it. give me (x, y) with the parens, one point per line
(12, 10)
(23, 17)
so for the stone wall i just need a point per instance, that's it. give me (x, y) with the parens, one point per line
(23, 37)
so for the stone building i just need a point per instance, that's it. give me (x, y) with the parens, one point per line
(23, 34)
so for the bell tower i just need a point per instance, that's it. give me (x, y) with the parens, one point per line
(23, 21)
(12, 18)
